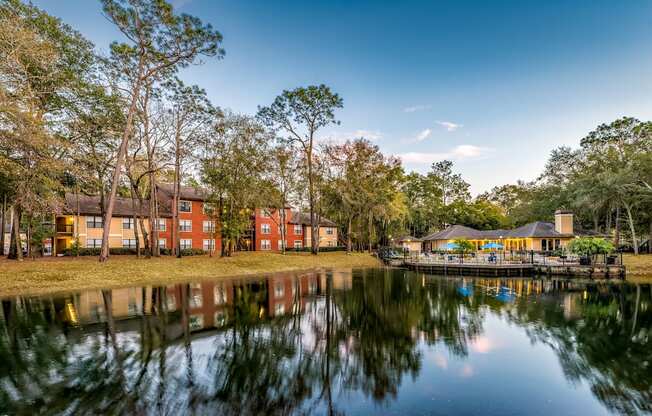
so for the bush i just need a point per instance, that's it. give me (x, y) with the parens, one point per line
(321, 249)
(118, 251)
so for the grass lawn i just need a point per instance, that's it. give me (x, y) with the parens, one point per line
(50, 275)
(639, 266)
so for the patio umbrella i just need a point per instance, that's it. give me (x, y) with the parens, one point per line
(492, 245)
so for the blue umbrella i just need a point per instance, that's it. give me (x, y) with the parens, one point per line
(451, 246)
(492, 245)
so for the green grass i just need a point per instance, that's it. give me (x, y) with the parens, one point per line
(49, 275)
(639, 266)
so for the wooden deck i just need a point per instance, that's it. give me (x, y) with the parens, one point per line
(515, 269)
(472, 269)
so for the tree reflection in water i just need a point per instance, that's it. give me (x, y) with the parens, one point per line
(303, 344)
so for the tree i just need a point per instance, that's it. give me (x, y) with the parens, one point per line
(463, 246)
(363, 189)
(300, 113)
(159, 42)
(44, 65)
(232, 164)
(190, 116)
(590, 246)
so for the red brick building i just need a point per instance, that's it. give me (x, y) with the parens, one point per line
(197, 229)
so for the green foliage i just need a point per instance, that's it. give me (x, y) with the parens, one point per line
(463, 245)
(590, 246)
(83, 251)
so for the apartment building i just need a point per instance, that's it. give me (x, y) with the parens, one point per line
(82, 220)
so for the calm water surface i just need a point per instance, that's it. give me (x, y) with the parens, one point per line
(364, 342)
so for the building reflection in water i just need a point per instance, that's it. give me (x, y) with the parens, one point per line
(299, 343)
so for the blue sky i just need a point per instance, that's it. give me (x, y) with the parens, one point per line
(494, 86)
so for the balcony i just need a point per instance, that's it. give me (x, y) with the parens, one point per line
(64, 228)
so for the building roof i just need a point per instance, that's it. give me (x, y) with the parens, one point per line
(537, 229)
(189, 193)
(304, 219)
(90, 205)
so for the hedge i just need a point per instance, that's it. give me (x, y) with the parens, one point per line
(129, 251)
(321, 249)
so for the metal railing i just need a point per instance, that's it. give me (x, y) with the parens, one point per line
(65, 228)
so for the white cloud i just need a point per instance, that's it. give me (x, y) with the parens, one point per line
(423, 135)
(449, 125)
(416, 108)
(463, 151)
(342, 137)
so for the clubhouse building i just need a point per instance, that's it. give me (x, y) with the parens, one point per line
(82, 220)
(537, 236)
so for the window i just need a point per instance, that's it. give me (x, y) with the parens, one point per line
(129, 243)
(185, 244)
(196, 322)
(329, 231)
(298, 229)
(279, 290)
(265, 244)
(312, 287)
(159, 223)
(209, 226)
(330, 243)
(208, 208)
(279, 309)
(171, 302)
(219, 318)
(161, 242)
(185, 225)
(127, 223)
(219, 294)
(94, 222)
(557, 244)
(298, 244)
(93, 242)
(185, 206)
(544, 245)
(281, 244)
(209, 245)
(196, 298)
(265, 228)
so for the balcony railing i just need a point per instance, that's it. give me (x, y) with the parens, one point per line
(64, 228)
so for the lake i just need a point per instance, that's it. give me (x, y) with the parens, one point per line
(375, 341)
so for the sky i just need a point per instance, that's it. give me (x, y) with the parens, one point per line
(493, 86)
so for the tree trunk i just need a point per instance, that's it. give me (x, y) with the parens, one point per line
(77, 222)
(348, 236)
(617, 232)
(16, 248)
(369, 228)
(282, 229)
(175, 199)
(134, 218)
(3, 220)
(630, 219)
(314, 230)
(153, 218)
(104, 251)
(28, 237)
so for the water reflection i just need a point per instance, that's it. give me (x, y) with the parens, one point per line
(329, 343)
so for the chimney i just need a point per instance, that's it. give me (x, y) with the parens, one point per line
(564, 221)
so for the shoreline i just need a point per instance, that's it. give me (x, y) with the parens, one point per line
(57, 275)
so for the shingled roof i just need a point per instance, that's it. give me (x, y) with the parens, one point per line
(90, 205)
(304, 219)
(189, 193)
(537, 229)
